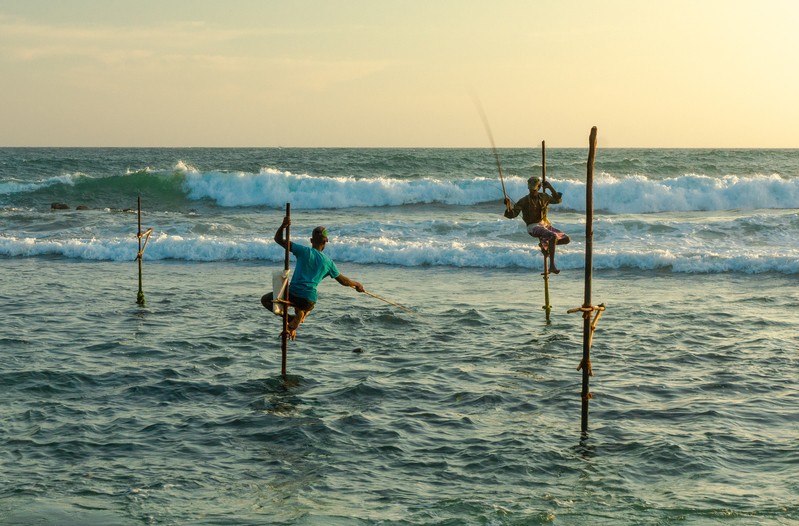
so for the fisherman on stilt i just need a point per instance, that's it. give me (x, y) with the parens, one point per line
(533, 208)
(312, 268)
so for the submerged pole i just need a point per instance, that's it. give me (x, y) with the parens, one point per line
(547, 307)
(589, 245)
(285, 334)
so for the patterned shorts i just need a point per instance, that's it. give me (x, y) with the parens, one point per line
(545, 233)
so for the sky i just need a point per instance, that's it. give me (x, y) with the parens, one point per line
(399, 73)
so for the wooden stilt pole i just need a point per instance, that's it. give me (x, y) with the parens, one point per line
(547, 307)
(140, 295)
(285, 334)
(587, 309)
(140, 253)
(589, 242)
(543, 162)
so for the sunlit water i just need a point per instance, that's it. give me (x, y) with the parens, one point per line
(466, 413)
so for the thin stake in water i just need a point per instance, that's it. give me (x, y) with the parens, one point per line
(140, 253)
(285, 334)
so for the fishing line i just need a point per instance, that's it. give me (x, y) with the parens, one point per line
(390, 302)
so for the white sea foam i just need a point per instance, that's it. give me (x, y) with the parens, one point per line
(17, 187)
(638, 194)
(631, 194)
(410, 213)
(274, 188)
(683, 258)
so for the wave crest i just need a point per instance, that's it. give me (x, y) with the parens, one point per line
(270, 187)
(274, 188)
(630, 194)
(436, 253)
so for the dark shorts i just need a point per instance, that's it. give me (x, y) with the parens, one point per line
(297, 302)
(302, 303)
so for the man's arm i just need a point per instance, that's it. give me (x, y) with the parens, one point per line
(280, 237)
(557, 197)
(347, 282)
(511, 211)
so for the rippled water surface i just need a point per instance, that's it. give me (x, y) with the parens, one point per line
(468, 413)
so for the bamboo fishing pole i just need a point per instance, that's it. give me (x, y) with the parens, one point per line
(389, 302)
(493, 148)
(285, 334)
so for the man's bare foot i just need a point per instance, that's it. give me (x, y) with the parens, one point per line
(554, 270)
(292, 326)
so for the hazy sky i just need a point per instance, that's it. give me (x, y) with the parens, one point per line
(697, 73)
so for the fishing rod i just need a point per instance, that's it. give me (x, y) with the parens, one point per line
(389, 302)
(493, 146)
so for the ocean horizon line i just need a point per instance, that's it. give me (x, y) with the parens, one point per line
(536, 147)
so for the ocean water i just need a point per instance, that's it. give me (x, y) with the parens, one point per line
(467, 412)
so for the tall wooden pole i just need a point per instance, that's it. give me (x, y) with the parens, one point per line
(140, 295)
(547, 307)
(589, 242)
(285, 334)
(543, 162)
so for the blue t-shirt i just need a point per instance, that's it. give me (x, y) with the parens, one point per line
(312, 268)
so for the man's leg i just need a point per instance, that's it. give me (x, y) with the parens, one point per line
(548, 241)
(543, 245)
(552, 268)
(555, 237)
(267, 301)
(295, 321)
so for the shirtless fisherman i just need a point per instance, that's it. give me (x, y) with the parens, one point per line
(533, 208)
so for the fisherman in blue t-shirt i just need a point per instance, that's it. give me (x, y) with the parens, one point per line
(312, 267)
